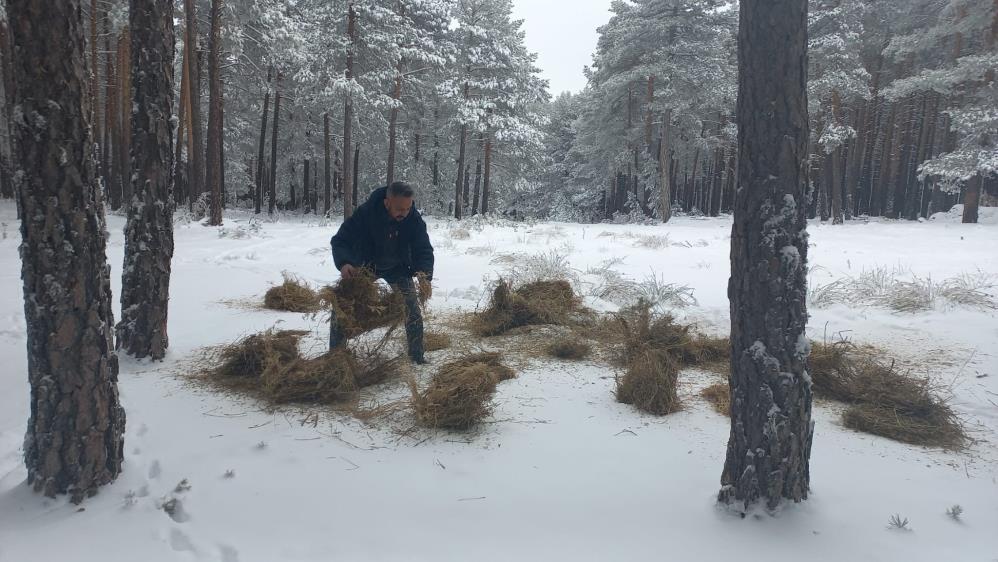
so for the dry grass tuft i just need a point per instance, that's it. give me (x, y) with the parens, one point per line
(650, 382)
(435, 341)
(363, 305)
(540, 302)
(566, 348)
(293, 295)
(883, 401)
(719, 396)
(249, 356)
(460, 394)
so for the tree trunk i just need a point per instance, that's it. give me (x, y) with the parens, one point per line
(459, 184)
(213, 177)
(74, 442)
(272, 192)
(6, 94)
(436, 148)
(665, 179)
(113, 153)
(487, 173)
(393, 123)
(306, 196)
(348, 195)
(195, 151)
(178, 160)
(125, 119)
(901, 148)
(972, 199)
(769, 448)
(94, 85)
(260, 181)
(355, 178)
(145, 281)
(326, 177)
(478, 183)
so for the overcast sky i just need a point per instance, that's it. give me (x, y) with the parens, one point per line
(563, 34)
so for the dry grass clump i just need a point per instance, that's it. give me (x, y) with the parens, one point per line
(903, 291)
(362, 305)
(719, 396)
(435, 341)
(566, 348)
(882, 400)
(270, 366)
(540, 302)
(650, 382)
(460, 394)
(293, 295)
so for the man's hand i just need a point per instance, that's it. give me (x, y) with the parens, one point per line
(425, 288)
(348, 271)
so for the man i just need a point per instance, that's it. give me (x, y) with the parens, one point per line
(388, 236)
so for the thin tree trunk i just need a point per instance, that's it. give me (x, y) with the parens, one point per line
(213, 177)
(459, 184)
(769, 447)
(393, 123)
(113, 153)
(196, 149)
(145, 281)
(326, 177)
(272, 192)
(355, 178)
(487, 174)
(349, 196)
(178, 162)
(74, 442)
(478, 182)
(125, 119)
(6, 94)
(972, 199)
(306, 196)
(94, 68)
(260, 181)
(665, 179)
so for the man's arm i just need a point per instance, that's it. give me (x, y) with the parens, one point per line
(345, 241)
(422, 250)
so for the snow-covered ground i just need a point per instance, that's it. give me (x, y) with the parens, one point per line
(562, 471)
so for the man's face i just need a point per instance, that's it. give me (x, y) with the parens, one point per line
(398, 207)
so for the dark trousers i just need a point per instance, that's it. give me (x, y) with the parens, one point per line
(402, 282)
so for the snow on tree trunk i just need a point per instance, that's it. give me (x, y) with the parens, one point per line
(771, 429)
(75, 431)
(145, 281)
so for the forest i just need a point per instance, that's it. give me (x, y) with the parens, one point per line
(287, 102)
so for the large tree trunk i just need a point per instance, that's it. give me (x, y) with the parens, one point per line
(6, 93)
(272, 183)
(348, 196)
(125, 106)
(94, 71)
(769, 447)
(195, 150)
(665, 195)
(326, 177)
(74, 442)
(213, 175)
(258, 190)
(145, 281)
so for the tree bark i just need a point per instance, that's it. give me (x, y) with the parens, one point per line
(459, 184)
(487, 174)
(74, 441)
(769, 448)
(972, 199)
(665, 179)
(355, 178)
(326, 177)
(213, 175)
(145, 281)
(393, 123)
(306, 196)
(272, 188)
(178, 162)
(94, 71)
(196, 149)
(258, 190)
(6, 94)
(478, 182)
(348, 195)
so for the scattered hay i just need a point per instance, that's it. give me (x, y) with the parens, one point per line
(565, 348)
(687, 347)
(293, 295)
(460, 394)
(540, 302)
(435, 341)
(249, 356)
(650, 383)
(362, 305)
(882, 400)
(719, 396)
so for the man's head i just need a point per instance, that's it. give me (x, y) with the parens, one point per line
(398, 200)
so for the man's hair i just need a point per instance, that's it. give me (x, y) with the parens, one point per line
(400, 189)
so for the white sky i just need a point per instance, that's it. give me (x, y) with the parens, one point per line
(563, 34)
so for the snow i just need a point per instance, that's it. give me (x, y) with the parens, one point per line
(561, 472)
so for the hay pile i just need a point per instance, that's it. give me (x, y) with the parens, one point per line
(719, 396)
(362, 305)
(566, 348)
(650, 382)
(540, 302)
(883, 401)
(293, 295)
(460, 394)
(270, 366)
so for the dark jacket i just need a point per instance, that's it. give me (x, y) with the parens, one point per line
(356, 241)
